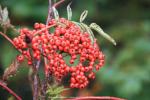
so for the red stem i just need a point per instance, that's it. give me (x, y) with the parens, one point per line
(96, 98)
(50, 14)
(58, 3)
(6, 37)
(47, 27)
(10, 91)
(49, 17)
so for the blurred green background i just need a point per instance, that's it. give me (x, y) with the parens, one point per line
(126, 73)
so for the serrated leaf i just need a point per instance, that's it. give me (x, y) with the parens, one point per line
(11, 70)
(60, 89)
(54, 91)
(83, 16)
(56, 14)
(89, 31)
(101, 32)
(69, 11)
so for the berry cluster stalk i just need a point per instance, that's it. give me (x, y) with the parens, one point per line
(36, 77)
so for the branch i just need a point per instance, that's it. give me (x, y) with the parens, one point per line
(50, 14)
(7, 38)
(49, 17)
(96, 98)
(47, 27)
(35, 87)
(58, 3)
(9, 90)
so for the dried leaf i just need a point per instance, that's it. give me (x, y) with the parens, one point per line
(101, 32)
(83, 16)
(5, 15)
(4, 18)
(1, 13)
(69, 11)
(11, 70)
(56, 14)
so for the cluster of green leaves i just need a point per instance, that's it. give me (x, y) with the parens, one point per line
(54, 92)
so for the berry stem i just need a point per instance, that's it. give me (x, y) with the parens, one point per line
(49, 17)
(47, 27)
(50, 14)
(35, 87)
(44, 83)
(58, 3)
(9, 90)
(7, 38)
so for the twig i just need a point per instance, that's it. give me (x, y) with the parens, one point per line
(7, 38)
(96, 98)
(36, 80)
(10, 91)
(58, 3)
(49, 17)
(35, 87)
(50, 14)
(47, 27)
(44, 83)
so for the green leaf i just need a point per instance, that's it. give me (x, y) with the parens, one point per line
(83, 16)
(101, 32)
(69, 11)
(56, 14)
(55, 90)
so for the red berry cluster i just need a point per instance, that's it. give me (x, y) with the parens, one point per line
(68, 39)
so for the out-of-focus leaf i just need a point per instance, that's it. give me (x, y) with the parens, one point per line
(0, 13)
(129, 88)
(5, 14)
(11, 70)
(69, 12)
(4, 19)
